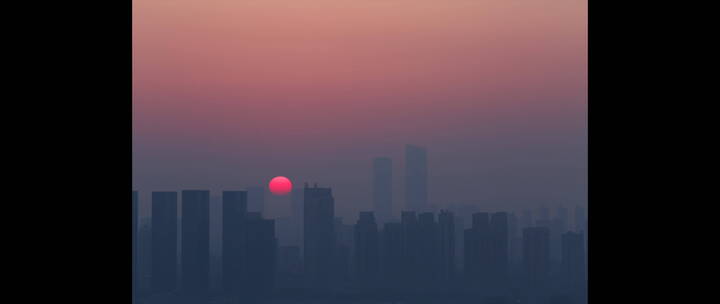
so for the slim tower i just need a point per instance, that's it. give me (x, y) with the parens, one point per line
(195, 252)
(416, 179)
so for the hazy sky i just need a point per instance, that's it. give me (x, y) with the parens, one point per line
(228, 94)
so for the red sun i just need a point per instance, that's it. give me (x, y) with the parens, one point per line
(280, 185)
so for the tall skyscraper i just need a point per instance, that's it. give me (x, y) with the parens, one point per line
(477, 248)
(260, 253)
(195, 253)
(319, 235)
(164, 241)
(446, 258)
(429, 252)
(367, 250)
(459, 243)
(382, 188)
(234, 209)
(499, 247)
(573, 258)
(392, 254)
(135, 272)
(416, 179)
(514, 238)
(256, 199)
(344, 244)
(536, 254)
(411, 246)
(289, 266)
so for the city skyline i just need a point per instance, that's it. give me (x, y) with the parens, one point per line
(423, 151)
(254, 265)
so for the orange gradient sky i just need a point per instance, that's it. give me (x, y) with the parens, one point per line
(229, 93)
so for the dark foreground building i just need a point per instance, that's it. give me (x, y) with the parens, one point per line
(195, 252)
(164, 242)
(234, 210)
(319, 236)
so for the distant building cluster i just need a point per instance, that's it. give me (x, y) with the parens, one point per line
(456, 253)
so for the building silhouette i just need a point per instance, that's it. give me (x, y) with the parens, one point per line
(536, 254)
(554, 229)
(342, 254)
(416, 179)
(382, 189)
(289, 262)
(256, 199)
(499, 247)
(195, 249)
(234, 210)
(135, 251)
(477, 253)
(446, 250)
(392, 255)
(514, 239)
(319, 236)
(144, 247)
(164, 222)
(411, 246)
(459, 244)
(260, 256)
(429, 252)
(573, 267)
(367, 250)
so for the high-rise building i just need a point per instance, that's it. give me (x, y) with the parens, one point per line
(289, 262)
(392, 254)
(446, 253)
(536, 254)
(234, 209)
(164, 241)
(289, 267)
(499, 247)
(487, 248)
(135, 272)
(477, 248)
(416, 179)
(256, 199)
(429, 253)
(514, 239)
(382, 189)
(195, 248)
(144, 248)
(367, 250)
(342, 254)
(459, 243)
(573, 259)
(260, 256)
(319, 235)
(554, 228)
(410, 248)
